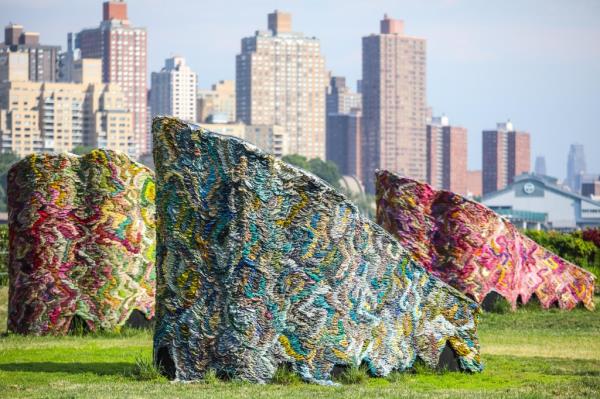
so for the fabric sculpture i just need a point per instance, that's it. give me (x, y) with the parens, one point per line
(475, 250)
(82, 242)
(261, 264)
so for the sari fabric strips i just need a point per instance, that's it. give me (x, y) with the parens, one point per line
(261, 264)
(475, 250)
(82, 242)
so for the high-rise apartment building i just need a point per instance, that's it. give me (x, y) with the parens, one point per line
(343, 143)
(123, 50)
(506, 154)
(269, 138)
(540, 165)
(344, 146)
(22, 54)
(394, 102)
(174, 90)
(591, 187)
(446, 155)
(218, 103)
(576, 166)
(281, 80)
(340, 99)
(474, 181)
(57, 117)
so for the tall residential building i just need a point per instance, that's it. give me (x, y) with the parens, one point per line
(23, 55)
(174, 90)
(340, 99)
(281, 80)
(394, 102)
(474, 188)
(56, 117)
(591, 187)
(447, 156)
(218, 103)
(540, 165)
(505, 154)
(576, 166)
(343, 139)
(344, 142)
(123, 50)
(269, 138)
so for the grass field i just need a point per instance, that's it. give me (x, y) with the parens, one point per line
(527, 354)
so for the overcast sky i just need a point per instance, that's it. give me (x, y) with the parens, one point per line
(535, 62)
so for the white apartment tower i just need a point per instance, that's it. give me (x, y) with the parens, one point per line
(174, 90)
(281, 80)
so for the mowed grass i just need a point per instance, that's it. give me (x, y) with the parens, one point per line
(527, 354)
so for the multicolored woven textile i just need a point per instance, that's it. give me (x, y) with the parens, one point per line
(475, 250)
(82, 242)
(260, 264)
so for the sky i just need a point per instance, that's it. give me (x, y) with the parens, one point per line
(534, 62)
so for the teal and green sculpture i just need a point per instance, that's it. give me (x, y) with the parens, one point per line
(261, 264)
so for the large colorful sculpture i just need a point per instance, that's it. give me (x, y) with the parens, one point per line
(82, 242)
(261, 264)
(475, 250)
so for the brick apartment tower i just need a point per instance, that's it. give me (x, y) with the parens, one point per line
(344, 133)
(474, 183)
(21, 53)
(447, 156)
(340, 99)
(281, 80)
(506, 154)
(394, 103)
(344, 142)
(123, 50)
(217, 103)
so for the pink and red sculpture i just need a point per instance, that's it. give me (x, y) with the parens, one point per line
(474, 249)
(82, 243)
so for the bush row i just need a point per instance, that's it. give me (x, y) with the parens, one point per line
(581, 247)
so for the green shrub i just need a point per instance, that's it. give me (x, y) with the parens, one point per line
(500, 306)
(354, 375)
(210, 377)
(284, 375)
(577, 247)
(419, 367)
(145, 370)
(78, 327)
(326, 170)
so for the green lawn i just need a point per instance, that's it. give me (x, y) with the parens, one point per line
(528, 354)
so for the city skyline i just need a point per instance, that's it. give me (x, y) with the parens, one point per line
(538, 69)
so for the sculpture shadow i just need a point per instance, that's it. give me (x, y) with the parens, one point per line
(100, 369)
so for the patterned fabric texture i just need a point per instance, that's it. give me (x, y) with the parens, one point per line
(261, 264)
(475, 250)
(82, 242)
